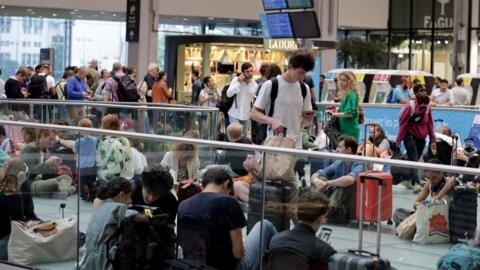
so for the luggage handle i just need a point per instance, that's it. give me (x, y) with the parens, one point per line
(380, 181)
(363, 252)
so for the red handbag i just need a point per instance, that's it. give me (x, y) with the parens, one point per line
(187, 188)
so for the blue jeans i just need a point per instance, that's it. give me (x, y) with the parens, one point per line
(244, 123)
(252, 256)
(414, 148)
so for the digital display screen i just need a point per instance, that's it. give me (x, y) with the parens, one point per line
(274, 4)
(305, 24)
(299, 4)
(279, 25)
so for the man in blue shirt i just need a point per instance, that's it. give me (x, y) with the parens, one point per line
(338, 179)
(402, 94)
(76, 89)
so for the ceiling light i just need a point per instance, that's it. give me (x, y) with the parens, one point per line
(102, 12)
(185, 19)
(71, 12)
(79, 16)
(211, 18)
(29, 10)
(114, 15)
(54, 14)
(76, 10)
(231, 20)
(3, 6)
(33, 13)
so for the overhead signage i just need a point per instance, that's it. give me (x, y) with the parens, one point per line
(425, 14)
(301, 24)
(133, 21)
(286, 4)
(281, 44)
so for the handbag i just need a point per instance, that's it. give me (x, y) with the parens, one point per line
(406, 229)
(279, 166)
(47, 242)
(432, 223)
(187, 188)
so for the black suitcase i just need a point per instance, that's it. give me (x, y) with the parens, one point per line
(462, 214)
(276, 205)
(359, 259)
(4, 265)
(188, 265)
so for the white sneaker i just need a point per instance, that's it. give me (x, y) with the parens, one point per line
(416, 188)
(407, 184)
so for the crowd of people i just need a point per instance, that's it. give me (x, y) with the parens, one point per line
(113, 173)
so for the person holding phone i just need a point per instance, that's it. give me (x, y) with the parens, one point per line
(243, 87)
(299, 248)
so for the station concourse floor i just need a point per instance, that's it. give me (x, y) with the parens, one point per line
(404, 255)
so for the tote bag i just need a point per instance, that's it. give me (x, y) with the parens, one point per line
(279, 166)
(432, 223)
(36, 245)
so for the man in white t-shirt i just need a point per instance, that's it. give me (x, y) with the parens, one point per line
(290, 106)
(442, 96)
(460, 94)
(243, 87)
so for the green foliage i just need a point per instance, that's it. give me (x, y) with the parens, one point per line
(362, 54)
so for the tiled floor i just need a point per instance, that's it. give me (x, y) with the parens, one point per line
(404, 255)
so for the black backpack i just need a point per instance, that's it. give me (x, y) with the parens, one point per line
(226, 102)
(127, 89)
(38, 87)
(144, 242)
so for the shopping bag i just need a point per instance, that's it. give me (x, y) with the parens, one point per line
(49, 242)
(406, 229)
(432, 223)
(279, 166)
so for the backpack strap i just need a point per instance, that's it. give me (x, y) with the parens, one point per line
(412, 107)
(59, 86)
(273, 95)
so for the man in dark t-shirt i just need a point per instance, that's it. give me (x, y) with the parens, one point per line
(155, 190)
(210, 227)
(299, 248)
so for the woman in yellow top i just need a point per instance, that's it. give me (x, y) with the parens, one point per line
(348, 111)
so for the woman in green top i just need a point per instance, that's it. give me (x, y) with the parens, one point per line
(348, 111)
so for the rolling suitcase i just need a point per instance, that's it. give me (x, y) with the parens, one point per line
(371, 195)
(357, 259)
(276, 207)
(462, 216)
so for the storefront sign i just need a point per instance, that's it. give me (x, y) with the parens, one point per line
(133, 21)
(281, 44)
(423, 15)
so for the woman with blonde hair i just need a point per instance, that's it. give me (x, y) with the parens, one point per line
(183, 160)
(347, 113)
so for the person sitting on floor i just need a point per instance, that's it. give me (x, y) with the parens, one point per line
(15, 204)
(438, 186)
(215, 219)
(299, 248)
(338, 181)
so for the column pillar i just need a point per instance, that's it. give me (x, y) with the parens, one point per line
(327, 12)
(141, 53)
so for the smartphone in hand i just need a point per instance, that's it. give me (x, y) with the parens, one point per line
(325, 234)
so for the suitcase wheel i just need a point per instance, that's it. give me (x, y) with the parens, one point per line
(389, 222)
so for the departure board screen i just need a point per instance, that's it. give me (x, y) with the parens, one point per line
(294, 4)
(304, 24)
(274, 4)
(279, 25)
